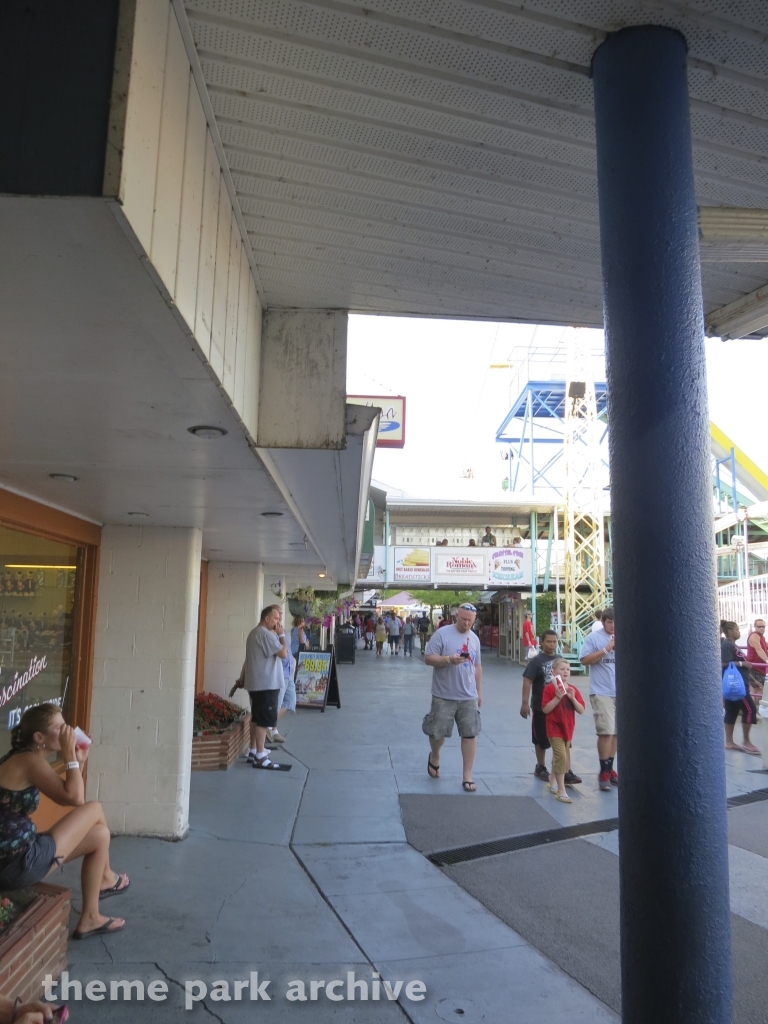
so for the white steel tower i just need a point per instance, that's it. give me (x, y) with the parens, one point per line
(585, 589)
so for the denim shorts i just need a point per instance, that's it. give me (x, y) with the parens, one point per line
(438, 723)
(288, 695)
(31, 865)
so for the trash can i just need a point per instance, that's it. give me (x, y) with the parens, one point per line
(346, 645)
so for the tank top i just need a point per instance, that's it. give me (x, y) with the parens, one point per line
(16, 829)
(752, 657)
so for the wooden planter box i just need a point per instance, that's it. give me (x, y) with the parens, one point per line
(35, 944)
(218, 751)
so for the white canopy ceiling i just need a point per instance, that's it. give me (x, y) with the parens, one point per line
(437, 157)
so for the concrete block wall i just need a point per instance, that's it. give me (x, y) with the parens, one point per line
(235, 592)
(144, 678)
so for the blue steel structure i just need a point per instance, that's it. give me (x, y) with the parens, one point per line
(537, 417)
(675, 920)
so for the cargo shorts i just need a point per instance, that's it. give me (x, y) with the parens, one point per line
(438, 723)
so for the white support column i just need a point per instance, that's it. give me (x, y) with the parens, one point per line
(144, 678)
(234, 602)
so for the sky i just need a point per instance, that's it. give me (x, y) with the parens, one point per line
(456, 399)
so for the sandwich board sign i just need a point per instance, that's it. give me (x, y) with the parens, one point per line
(317, 683)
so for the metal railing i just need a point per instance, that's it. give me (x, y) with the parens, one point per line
(744, 601)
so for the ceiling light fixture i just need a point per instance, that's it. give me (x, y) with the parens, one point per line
(322, 575)
(270, 514)
(207, 433)
(66, 477)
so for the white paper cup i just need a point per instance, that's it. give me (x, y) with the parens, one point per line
(81, 740)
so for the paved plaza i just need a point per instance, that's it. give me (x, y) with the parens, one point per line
(323, 871)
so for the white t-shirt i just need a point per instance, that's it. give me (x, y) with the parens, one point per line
(597, 624)
(454, 682)
(602, 675)
(263, 669)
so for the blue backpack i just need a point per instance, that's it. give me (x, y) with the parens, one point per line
(733, 683)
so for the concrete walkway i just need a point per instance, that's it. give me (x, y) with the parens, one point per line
(306, 876)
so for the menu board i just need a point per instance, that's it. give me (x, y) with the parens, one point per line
(412, 565)
(317, 683)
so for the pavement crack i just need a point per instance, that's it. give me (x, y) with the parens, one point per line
(106, 949)
(203, 1003)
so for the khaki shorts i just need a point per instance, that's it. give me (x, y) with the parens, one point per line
(438, 723)
(604, 709)
(559, 754)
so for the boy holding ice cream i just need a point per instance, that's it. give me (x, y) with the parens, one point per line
(561, 702)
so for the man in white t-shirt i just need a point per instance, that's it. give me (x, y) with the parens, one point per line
(597, 625)
(598, 652)
(453, 652)
(265, 647)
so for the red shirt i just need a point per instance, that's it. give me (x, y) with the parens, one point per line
(529, 637)
(752, 657)
(561, 720)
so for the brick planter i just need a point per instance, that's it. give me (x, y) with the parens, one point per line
(218, 751)
(35, 944)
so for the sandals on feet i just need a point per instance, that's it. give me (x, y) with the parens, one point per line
(267, 765)
(563, 799)
(468, 786)
(751, 749)
(121, 885)
(104, 929)
(433, 770)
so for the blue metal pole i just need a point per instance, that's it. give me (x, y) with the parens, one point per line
(534, 529)
(675, 922)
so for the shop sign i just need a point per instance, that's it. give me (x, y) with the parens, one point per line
(392, 422)
(20, 680)
(509, 567)
(461, 565)
(412, 565)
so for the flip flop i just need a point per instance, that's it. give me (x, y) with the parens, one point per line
(103, 930)
(468, 786)
(433, 770)
(752, 750)
(116, 888)
(736, 746)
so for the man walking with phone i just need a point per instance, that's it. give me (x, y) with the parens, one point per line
(453, 653)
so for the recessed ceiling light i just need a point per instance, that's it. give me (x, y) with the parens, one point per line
(66, 477)
(207, 433)
(138, 515)
(271, 513)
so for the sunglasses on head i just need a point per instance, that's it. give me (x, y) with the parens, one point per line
(468, 607)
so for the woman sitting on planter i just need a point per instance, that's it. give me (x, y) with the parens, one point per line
(27, 857)
(28, 1013)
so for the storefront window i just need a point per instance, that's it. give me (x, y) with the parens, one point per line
(37, 601)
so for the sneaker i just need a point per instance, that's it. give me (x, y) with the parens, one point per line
(614, 776)
(276, 737)
(604, 781)
(540, 771)
(571, 778)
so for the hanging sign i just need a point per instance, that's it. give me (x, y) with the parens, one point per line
(317, 683)
(509, 567)
(412, 565)
(392, 422)
(461, 565)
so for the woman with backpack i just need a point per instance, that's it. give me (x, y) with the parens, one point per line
(741, 703)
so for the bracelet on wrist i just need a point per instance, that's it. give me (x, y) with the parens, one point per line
(71, 765)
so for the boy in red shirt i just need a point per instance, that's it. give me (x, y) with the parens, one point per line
(560, 702)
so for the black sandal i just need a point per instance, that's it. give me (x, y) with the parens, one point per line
(116, 888)
(433, 770)
(468, 786)
(103, 930)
